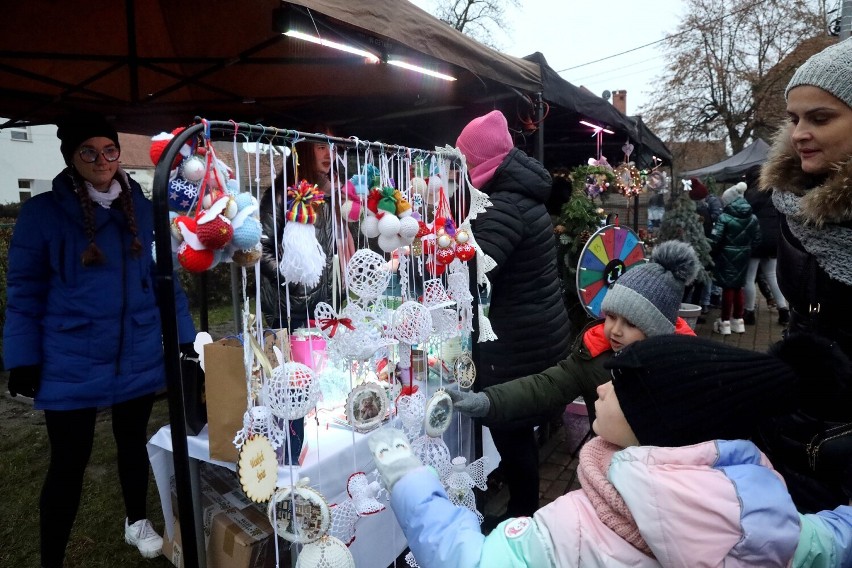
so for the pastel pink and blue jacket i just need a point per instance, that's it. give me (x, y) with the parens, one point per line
(717, 503)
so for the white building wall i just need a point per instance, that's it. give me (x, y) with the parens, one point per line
(37, 160)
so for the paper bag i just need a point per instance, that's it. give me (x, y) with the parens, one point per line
(225, 379)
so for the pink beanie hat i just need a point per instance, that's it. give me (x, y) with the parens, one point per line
(485, 141)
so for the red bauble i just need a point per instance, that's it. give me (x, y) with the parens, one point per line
(445, 255)
(465, 251)
(215, 234)
(436, 269)
(194, 260)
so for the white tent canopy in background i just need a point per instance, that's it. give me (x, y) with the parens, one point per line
(732, 169)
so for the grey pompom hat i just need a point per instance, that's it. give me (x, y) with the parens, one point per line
(830, 70)
(649, 295)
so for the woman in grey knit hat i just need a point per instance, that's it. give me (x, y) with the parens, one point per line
(809, 171)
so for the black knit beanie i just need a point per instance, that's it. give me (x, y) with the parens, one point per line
(74, 129)
(680, 390)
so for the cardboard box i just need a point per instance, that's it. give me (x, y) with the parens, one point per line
(173, 549)
(236, 530)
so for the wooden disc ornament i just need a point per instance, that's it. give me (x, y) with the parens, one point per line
(367, 406)
(299, 513)
(439, 413)
(464, 370)
(257, 468)
(606, 256)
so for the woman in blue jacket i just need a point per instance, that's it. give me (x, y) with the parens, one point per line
(83, 328)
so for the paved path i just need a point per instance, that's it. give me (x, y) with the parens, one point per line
(558, 464)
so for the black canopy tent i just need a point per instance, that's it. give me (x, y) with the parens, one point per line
(568, 142)
(733, 168)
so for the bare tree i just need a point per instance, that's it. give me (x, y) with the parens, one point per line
(719, 63)
(476, 18)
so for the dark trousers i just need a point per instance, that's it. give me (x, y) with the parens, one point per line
(519, 463)
(733, 303)
(71, 434)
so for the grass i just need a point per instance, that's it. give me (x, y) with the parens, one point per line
(97, 539)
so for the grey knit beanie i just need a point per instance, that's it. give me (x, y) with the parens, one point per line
(733, 193)
(649, 295)
(830, 70)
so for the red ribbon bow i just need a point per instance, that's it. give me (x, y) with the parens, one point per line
(332, 323)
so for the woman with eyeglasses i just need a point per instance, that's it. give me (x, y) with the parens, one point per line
(83, 329)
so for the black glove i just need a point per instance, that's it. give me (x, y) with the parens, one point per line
(25, 380)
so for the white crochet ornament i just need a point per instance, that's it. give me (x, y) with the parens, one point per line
(412, 324)
(259, 420)
(343, 520)
(343, 343)
(299, 513)
(366, 275)
(411, 410)
(434, 452)
(291, 392)
(327, 552)
(435, 295)
(461, 481)
(303, 258)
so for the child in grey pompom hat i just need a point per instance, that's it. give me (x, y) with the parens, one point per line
(644, 302)
(649, 295)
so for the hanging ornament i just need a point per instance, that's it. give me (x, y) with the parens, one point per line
(411, 409)
(464, 370)
(291, 392)
(299, 513)
(303, 258)
(465, 251)
(366, 406)
(327, 552)
(257, 468)
(434, 452)
(438, 413)
(367, 275)
(215, 230)
(461, 481)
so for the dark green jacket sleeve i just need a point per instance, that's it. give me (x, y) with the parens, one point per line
(546, 393)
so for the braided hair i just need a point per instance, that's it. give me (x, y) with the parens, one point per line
(93, 254)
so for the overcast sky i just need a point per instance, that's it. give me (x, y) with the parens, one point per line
(572, 32)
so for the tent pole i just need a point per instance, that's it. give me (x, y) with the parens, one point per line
(539, 133)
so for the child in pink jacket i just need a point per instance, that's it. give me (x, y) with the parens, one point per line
(665, 483)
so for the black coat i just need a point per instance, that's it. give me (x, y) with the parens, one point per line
(767, 216)
(526, 312)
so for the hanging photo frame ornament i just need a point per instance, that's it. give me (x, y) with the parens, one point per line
(367, 406)
(439, 414)
(257, 468)
(606, 256)
(299, 514)
(464, 370)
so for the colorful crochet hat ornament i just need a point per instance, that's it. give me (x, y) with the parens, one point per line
(303, 259)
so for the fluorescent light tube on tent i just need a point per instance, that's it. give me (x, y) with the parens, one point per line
(332, 44)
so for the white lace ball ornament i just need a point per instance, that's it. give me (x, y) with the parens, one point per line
(292, 391)
(327, 552)
(412, 323)
(366, 274)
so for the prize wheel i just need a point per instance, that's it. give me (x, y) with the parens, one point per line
(609, 253)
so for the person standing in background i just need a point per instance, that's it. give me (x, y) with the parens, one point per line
(314, 165)
(809, 170)
(763, 255)
(735, 233)
(83, 328)
(527, 312)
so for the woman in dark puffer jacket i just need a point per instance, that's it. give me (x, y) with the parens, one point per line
(526, 312)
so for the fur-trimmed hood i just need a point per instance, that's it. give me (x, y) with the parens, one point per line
(826, 201)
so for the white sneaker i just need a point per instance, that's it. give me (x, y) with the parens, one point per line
(738, 325)
(142, 535)
(722, 327)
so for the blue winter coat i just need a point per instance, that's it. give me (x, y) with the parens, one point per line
(94, 330)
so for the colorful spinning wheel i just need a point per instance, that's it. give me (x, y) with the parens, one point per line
(609, 253)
